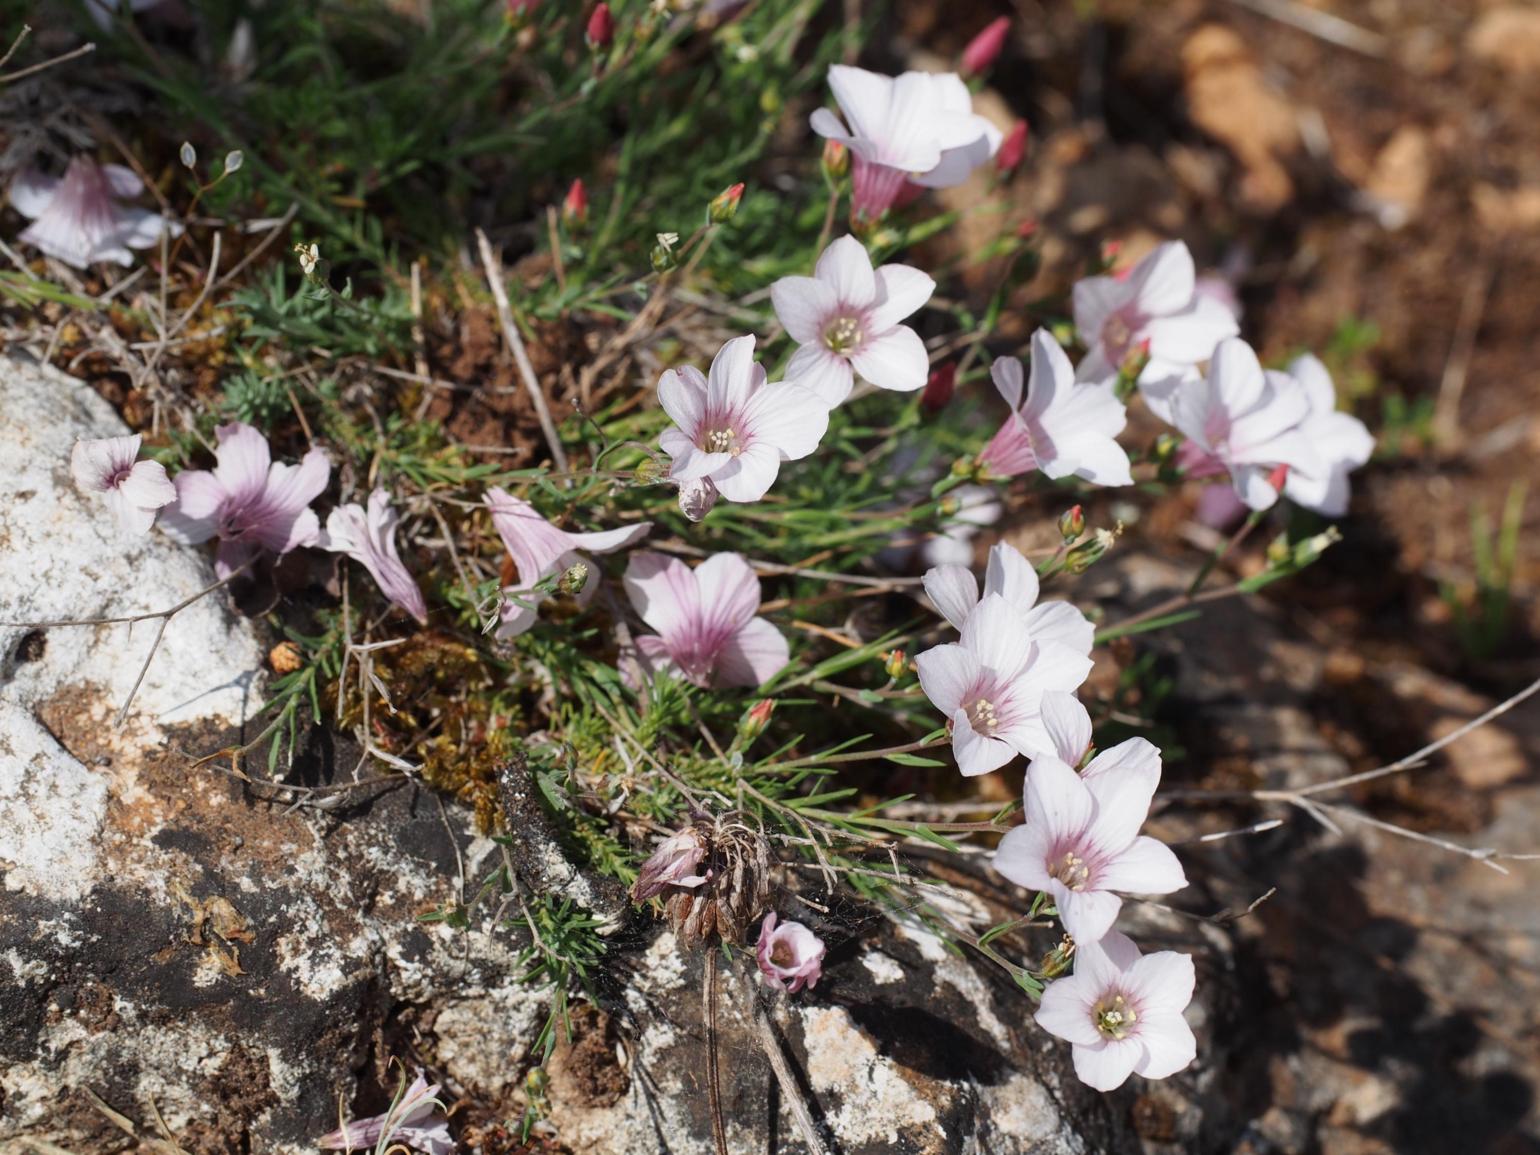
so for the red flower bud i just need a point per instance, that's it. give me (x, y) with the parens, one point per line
(939, 388)
(574, 206)
(724, 206)
(1278, 477)
(1013, 149)
(601, 28)
(985, 47)
(836, 159)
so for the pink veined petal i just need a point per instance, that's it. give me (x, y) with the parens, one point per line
(1158, 384)
(1087, 915)
(804, 306)
(1161, 980)
(863, 97)
(1056, 799)
(1010, 452)
(953, 591)
(788, 415)
(1191, 335)
(846, 267)
(1164, 281)
(1068, 725)
(682, 394)
(729, 592)
(894, 360)
(534, 543)
(948, 674)
(732, 378)
(1147, 866)
(1067, 1011)
(1011, 575)
(911, 137)
(654, 656)
(820, 369)
(608, 540)
(1007, 376)
(346, 530)
(749, 476)
(147, 486)
(996, 634)
(1253, 487)
(1169, 1044)
(956, 165)
(1054, 666)
(665, 593)
(1095, 300)
(1101, 962)
(231, 555)
(977, 753)
(283, 520)
(96, 461)
(1062, 623)
(194, 516)
(1022, 856)
(1051, 376)
(1283, 408)
(242, 462)
(901, 291)
(752, 656)
(518, 612)
(1106, 1066)
(140, 228)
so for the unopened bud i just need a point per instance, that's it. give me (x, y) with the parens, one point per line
(601, 28)
(755, 719)
(724, 206)
(663, 256)
(1013, 150)
(187, 154)
(1072, 523)
(1028, 228)
(233, 161)
(1278, 477)
(574, 206)
(836, 160)
(696, 498)
(895, 663)
(647, 472)
(573, 579)
(1059, 959)
(1133, 364)
(939, 387)
(984, 49)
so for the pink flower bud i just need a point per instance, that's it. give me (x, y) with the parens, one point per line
(939, 388)
(601, 28)
(1278, 476)
(755, 719)
(724, 206)
(790, 956)
(984, 48)
(574, 206)
(836, 159)
(1013, 149)
(1072, 523)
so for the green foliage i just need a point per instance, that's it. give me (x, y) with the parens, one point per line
(1483, 614)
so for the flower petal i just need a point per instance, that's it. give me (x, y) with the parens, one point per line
(901, 291)
(846, 267)
(948, 674)
(819, 368)
(954, 592)
(1169, 1044)
(895, 360)
(1106, 1066)
(804, 306)
(664, 592)
(1068, 724)
(752, 656)
(1147, 866)
(682, 393)
(1067, 1010)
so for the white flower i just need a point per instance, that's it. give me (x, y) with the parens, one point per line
(1061, 426)
(1122, 1011)
(1157, 302)
(955, 593)
(847, 317)
(1241, 421)
(918, 127)
(1341, 441)
(735, 427)
(78, 220)
(991, 684)
(134, 489)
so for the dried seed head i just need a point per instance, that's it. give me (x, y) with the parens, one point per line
(736, 867)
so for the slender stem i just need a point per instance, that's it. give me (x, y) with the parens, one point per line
(1219, 555)
(713, 1076)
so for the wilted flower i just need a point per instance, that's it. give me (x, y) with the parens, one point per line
(1340, 440)
(134, 489)
(847, 316)
(1154, 302)
(735, 427)
(663, 256)
(78, 220)
(790, 955)
(369, 538)
(736, 873)
(917, 127)
(1244, 422)
(984, 48)
(991, 685)
(309, 257)
(1013, 150)
(248, 501)
(673, 863)
(955, 593)
(410, 1122)
(1122, 1012)
(697, 498)
(1061, 426)
(1081, 842)
(540, 550)
(706, 620)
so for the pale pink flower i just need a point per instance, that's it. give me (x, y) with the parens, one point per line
(1156, 302)
(1069, 727)
(991, 684)
(1244, 422)
(846, 317)
(1122, 1012)
(734, 427)
(917, 127)
(1341, 441)
(1080, 841)
(77, 218)
(414, 1121)
(1060, 426)
(708, 631)
(673, 863)
(540, 550)
(369, 538)
(955, 593)
(248, 500)
(133, 489)
(790, 955)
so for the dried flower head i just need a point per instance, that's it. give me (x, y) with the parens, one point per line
(735, 864)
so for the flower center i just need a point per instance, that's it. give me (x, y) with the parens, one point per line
(843, 334)
(983, 717)
(1072, 870)
(1117, 336)
(1115, 1017)
(119, 477)
(781, 956)
(721, 441)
